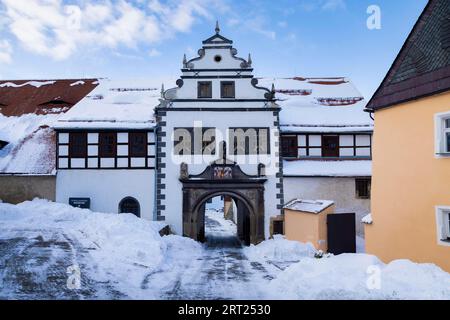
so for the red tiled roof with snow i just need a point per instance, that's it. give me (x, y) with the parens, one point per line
(18, 97)
(319, 105)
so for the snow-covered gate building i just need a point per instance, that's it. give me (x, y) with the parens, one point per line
(162, 154)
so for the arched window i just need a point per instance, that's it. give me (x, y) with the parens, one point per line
(130, 205)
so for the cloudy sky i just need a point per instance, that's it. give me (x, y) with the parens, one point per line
(146, 39)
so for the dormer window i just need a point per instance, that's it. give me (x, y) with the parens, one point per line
(204, 89)
(3, 144)
(227, 89)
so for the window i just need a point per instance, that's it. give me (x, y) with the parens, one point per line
(227, 89)
(443, 225)
(289, 148)
(330, 146)
(78, 144)
(204, 89)
(363, 188)
(107, 147)
(248, 141)
(137, 144)
(130, 205)
(442, 124)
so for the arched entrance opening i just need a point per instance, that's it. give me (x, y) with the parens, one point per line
(130, 205)
(228, 180)
(226, 219)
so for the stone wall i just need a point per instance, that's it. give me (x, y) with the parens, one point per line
(18, 188)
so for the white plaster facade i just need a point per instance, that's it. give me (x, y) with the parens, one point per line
(251, 107)
(106, 188)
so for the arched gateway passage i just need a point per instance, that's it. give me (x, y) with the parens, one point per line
(224, 180)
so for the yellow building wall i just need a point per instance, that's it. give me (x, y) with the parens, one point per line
(307, 227)
(408, 182)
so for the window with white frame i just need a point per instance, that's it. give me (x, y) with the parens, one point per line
(443, 134)
(443, 224)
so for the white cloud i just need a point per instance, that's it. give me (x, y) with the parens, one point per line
(5, 51)
(154, 53)
(53, 28)
(333, 4)
(258, 24)
(233, 22)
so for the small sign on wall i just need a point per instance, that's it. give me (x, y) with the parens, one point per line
(84, 203)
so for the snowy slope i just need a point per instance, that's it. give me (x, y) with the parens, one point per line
(122, 249)
(31, 147)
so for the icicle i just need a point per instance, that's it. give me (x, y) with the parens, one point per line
(217, 27)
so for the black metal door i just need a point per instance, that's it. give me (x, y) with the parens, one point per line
(341, 233)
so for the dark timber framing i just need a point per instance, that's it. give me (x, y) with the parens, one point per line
(308, 147)
(86, 156)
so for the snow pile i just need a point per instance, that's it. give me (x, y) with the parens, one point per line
(355, 276)
(279, 249)
(367, 219)
(347, 276)
(124, 248)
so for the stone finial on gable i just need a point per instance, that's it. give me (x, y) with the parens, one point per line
(217, 27)
(249, 60)
(184, 61)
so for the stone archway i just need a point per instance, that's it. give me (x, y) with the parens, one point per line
(224, 179)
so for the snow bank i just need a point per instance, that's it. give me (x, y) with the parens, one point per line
(351, 276)
(124, 248)
(347, 276)
(279, 249)
(367, 219)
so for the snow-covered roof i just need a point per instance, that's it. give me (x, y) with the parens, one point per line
(31, 144)
(327, 168)
(319, 105)
(115, 104)
(311, 206)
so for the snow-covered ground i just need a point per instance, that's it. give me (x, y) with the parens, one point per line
(123, 257)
